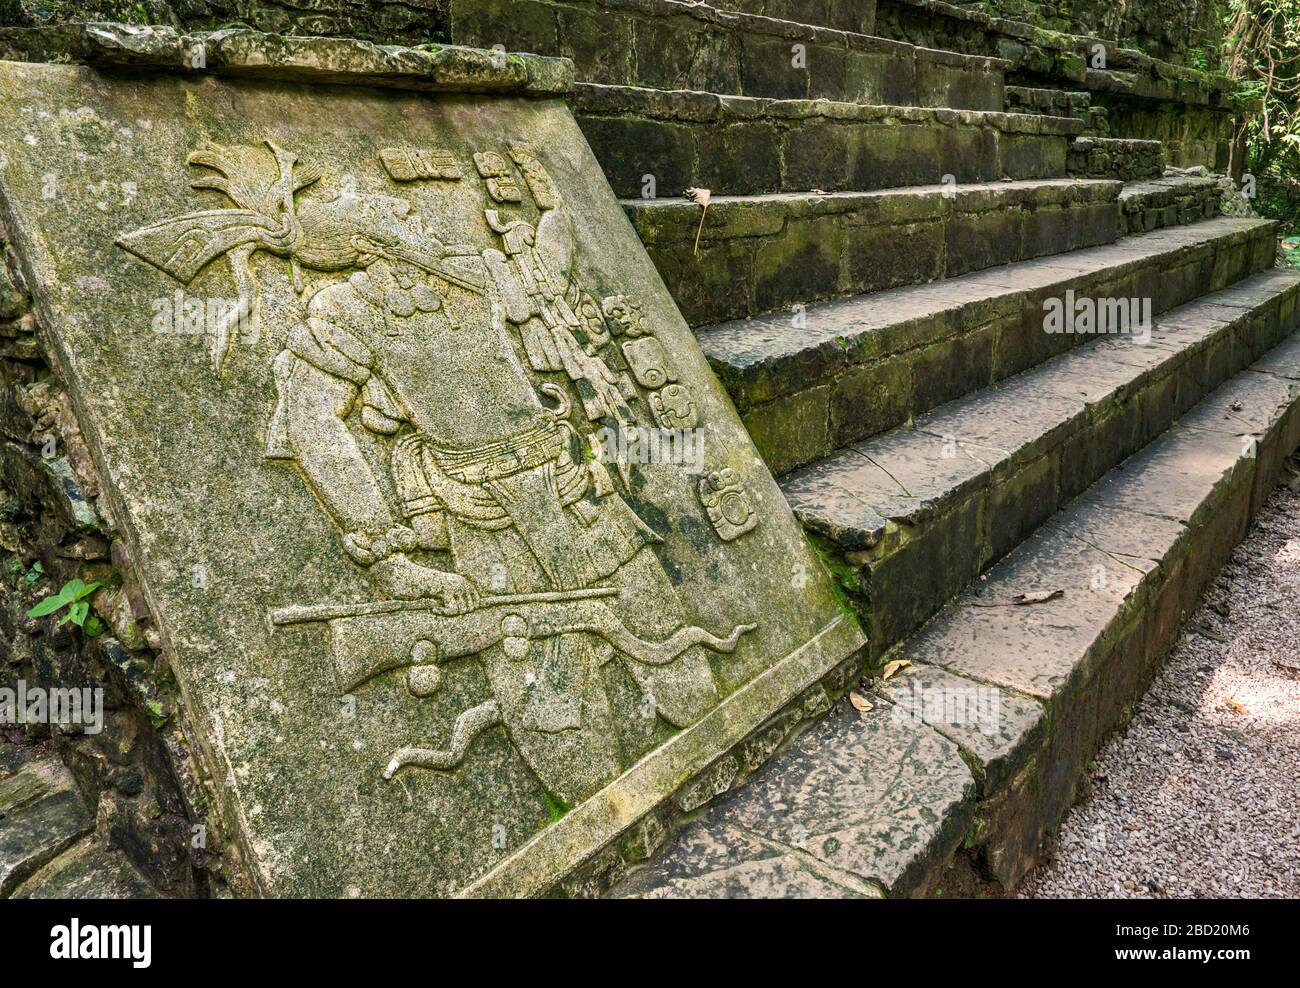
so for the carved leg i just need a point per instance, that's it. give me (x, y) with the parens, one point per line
(469, 725)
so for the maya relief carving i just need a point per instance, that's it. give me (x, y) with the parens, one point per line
(476, 363)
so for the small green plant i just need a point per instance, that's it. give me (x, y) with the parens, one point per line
(157, 713)
(72, 596)
(35, 572)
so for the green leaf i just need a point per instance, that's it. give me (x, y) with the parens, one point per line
(47, 606)
(87, 589)
(35, 572)
(77, 613)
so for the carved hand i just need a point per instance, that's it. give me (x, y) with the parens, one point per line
(457, 594)
(399, 577)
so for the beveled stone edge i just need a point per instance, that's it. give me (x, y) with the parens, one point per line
(551, 855)
(693, 106)
(243, 52)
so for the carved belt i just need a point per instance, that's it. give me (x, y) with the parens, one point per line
(504, 458)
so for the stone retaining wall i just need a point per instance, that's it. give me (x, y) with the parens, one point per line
(54, 527)
(1097, 157)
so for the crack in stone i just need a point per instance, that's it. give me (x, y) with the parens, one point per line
(901, 486)
(1106, 552)
(823, 870)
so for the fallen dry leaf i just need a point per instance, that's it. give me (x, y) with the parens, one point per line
(1037, 596)
(1235, 707)
(893, 667)
(701, 197)
(860, 703)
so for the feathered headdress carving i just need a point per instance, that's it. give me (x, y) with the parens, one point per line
(327, 235)
(264, 219)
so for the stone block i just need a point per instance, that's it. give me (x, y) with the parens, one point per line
(878, 797)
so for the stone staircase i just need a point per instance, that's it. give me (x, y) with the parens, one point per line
(870, 284)
(1020, 517)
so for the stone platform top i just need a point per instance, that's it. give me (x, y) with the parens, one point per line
(248, 53)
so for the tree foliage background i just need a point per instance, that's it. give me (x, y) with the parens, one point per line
(1261, 48)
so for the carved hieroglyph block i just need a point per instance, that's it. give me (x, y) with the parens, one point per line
(442, 648)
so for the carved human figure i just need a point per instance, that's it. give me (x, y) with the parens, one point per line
(405, 401)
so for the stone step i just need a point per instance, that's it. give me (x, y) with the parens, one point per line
(1132, 554)
(852, 368)
(739, 145)
(1061, 102)
(1171, 201)
(764, 253)
(842, 15)
(1113, 157)
(669, 44)
(973, 478)
(1052, 102)
(1189, 110)
(41, 815)
(1039, 57)
(971, 756)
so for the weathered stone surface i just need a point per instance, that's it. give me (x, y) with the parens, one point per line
(1136, 95)
(997, 730)
(940, 341)
(714, 860)
(89, 870)
(796, 248)
(41, 815)
(385, 470)
(843, 15)
(1109, 157)
(1123, 516)
(1054, 55)
(745, 145)
(858, 800)
(244, 52)
(1055, 102)
(1064, 671)
(1038, 649)
(970, 480)
(1173, 474)
(1168, 201)
(696, 46)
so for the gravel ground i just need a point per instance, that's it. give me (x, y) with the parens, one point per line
(1199, 796)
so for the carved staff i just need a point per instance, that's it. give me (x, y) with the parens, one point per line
(331, 612)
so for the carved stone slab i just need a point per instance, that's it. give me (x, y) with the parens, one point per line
(462, 559)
